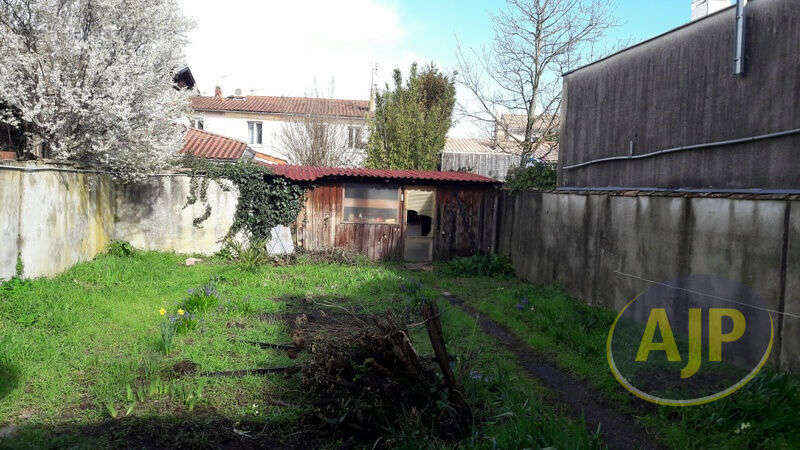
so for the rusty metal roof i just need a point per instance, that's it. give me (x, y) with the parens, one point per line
(284, 105)
(209, 145)
(308, 173)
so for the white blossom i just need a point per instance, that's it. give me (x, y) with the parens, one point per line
(92, 79)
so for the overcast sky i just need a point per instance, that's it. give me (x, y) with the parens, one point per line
(270, 47)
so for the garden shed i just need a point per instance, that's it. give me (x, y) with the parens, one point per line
(407, 215)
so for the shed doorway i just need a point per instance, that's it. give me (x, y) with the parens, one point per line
(419, 220)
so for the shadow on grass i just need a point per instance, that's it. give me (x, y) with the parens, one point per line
(205, 429)
(9, 378)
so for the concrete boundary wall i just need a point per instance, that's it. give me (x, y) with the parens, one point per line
(54, 218)
(602, 247)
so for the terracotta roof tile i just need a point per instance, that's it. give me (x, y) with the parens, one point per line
(209, 145)
(283, 105)
(308, 173)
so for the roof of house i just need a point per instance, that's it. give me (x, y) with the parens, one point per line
(283, 105)
(263, 157)
(308, 173)
(520, 121)
(209, 145)
(469, 145)
(506, 147)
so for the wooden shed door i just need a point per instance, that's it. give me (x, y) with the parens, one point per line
(419, 222)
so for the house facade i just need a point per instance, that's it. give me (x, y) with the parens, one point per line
(259, 121)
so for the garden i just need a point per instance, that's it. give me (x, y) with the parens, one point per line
(326, 350)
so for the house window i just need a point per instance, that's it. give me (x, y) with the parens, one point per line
(197, 123)
(371, 204)
(255, 133)
(355, 137)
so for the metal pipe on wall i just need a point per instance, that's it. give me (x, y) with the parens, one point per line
(685, 148)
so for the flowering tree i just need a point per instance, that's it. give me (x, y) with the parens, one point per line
(91, 80)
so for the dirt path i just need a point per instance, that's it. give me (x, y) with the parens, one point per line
(617, 430)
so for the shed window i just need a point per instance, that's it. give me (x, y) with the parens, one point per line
(371, 204)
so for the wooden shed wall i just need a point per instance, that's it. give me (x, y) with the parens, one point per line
(465, 218)
(319, 226)
(466, 221)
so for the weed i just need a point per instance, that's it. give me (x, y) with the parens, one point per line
(17, 282)
(415, 293)
(14, 284)
(480, 265)
(334, 255)
(201, 299)
(167, 335)
(535, 176)
(247, 255)
(120, 249)
(20, 267)
(187, 394)
(183, 321)
(111, 408)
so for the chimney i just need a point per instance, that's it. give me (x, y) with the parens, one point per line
(218, 92)
(372, 104)
(373, 90)
(702, 8)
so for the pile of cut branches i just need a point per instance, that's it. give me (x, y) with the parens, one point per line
(364, 376)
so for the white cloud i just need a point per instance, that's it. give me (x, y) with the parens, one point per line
(285, 47)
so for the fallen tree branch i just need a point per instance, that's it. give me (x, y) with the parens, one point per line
(430, 312)
(271, 345)
(245, 372)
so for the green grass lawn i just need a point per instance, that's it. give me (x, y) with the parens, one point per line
(82, 363)
(574, 335)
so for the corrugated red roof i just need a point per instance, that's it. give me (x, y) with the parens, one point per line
(308, 173)
(283, 105)
(209, 145)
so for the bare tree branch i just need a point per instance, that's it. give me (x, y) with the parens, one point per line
(519, 73)
(319, 139)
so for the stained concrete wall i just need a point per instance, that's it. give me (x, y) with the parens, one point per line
(54, 218)
(600, 247)
(155, 215)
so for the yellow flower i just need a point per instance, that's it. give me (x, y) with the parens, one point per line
(180, 312)
(162, 311)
